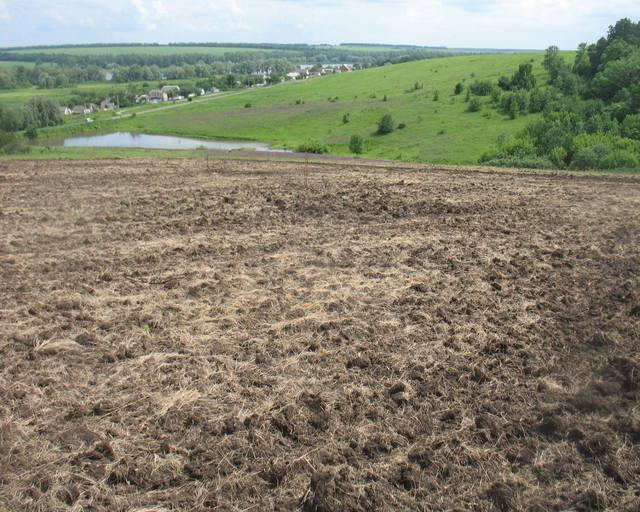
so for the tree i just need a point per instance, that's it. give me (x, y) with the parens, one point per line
(459, 89)
(385, 125)
(581, 64)
(356, 144)
(553, 63)
(523, 78)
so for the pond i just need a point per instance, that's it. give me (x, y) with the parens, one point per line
(146, 141)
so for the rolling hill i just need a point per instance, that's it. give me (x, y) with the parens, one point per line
(289, 114)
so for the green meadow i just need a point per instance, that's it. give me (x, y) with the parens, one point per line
(287, 115)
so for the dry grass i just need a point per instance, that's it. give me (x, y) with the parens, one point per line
(253, 337)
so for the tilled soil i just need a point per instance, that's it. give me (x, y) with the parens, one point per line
(235, 336)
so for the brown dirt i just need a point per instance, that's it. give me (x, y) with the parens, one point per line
(177, 335)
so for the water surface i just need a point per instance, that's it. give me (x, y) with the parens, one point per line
(146, 141)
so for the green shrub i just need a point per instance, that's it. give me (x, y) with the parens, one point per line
(474, 105)
(590, 157)
(496, 95)
(402, 126)
(247, 105)
(631, 127)
(436, 96)
(459, 89)
(604, 151)
(346, 119)
(558, 157)
(538, 100)
(385, 125)
(481, 87)
(9, 143)
(525, 162)
(621, 159)
(609, 141)
(313, 146)
(31, 132)
(356, 144)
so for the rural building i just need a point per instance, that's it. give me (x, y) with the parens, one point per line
(81, 110)
(107, 104)
(158, 96)
(293, 76)
(143, 98)
(170, 90)
(66, 111)
(345, 68)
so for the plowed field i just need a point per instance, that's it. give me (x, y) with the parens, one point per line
(190, 336)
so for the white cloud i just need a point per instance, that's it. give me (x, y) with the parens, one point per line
(4, 11)
(453, 23)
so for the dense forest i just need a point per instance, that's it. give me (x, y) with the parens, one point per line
(590, 109)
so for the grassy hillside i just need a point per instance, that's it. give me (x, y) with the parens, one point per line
(289, 114)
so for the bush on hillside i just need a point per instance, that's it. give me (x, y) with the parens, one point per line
(474, 105)
(385, 125)
(9, 143)
(631, 127)
(313, 146)
(525, 162)
(31, 132)
(459, 89)
(356, 144)
(481, 87)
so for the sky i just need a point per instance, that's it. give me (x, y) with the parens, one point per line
(521, 24)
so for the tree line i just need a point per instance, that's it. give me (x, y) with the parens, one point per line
(60, 69)
(590, 108)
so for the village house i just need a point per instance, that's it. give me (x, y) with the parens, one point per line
(143, 98)
(170, 90)
(107, 104)
(158, 96)
(293, 76)
(345, 68)
(66, 111)
(81, 110)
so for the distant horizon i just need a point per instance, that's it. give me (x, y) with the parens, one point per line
(224, 44)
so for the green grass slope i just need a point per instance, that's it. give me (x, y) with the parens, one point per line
(289, 114)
